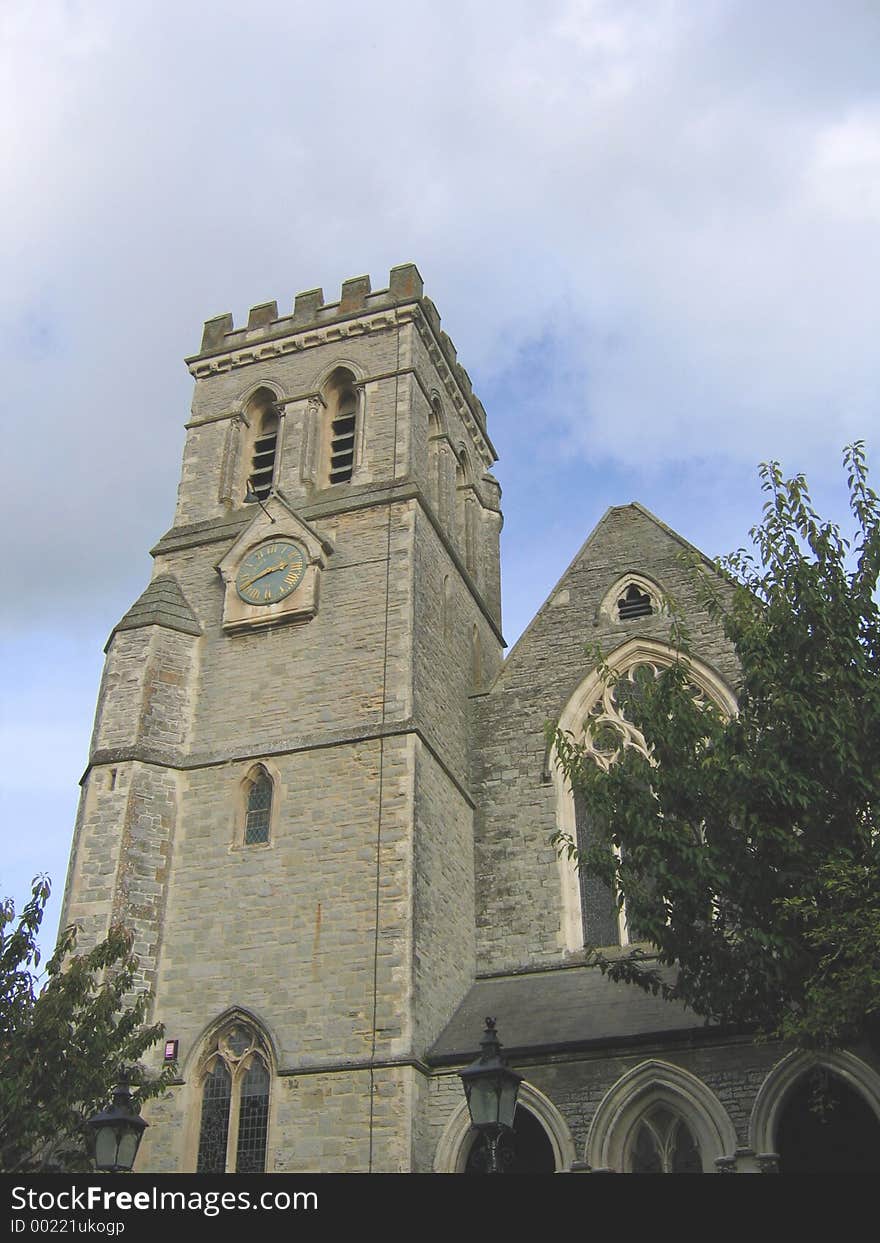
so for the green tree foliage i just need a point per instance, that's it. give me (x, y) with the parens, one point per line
(62, 1044)
(746, 849)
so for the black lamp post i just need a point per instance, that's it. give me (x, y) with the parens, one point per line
(115, 1134)
(491, 1089)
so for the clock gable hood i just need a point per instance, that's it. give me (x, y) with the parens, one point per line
(275, 518)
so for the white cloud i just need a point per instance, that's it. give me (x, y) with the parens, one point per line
(683, 196)
(843, 177)
(662, 215)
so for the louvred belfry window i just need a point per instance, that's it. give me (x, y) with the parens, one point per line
(342, 438)
(341, 427)
(634, 603)
(265, 447)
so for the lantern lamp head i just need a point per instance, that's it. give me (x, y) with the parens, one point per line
(115, 1134)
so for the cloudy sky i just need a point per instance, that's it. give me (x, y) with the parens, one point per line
(651, 229)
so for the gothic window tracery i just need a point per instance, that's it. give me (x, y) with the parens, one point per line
(610, 725)
(601, 713)
(234, 1120)
(609, 729)
(659, 1118)
(664, 1144)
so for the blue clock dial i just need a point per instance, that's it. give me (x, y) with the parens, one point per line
(270, 572)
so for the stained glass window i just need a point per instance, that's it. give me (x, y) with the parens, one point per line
(253, 1118)
(214, 1130)
(259, 809)
(235, 1104)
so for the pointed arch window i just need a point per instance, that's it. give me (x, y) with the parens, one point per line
(600, 713)
(258, 809)
(660, 1119)
(234, 1120)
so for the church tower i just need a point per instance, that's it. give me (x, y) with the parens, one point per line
(278, 798)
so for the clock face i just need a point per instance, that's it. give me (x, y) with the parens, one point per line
(270, 572)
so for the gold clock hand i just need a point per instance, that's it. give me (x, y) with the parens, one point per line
(271, 569)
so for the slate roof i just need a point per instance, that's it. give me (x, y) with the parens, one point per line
(162, 604)
(558, 1009)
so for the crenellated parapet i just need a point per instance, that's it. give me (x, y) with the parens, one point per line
(359, 310)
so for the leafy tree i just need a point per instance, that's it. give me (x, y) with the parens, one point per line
(62, 1045)
(747, 849)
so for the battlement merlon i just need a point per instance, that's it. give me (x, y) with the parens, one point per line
(221, 339)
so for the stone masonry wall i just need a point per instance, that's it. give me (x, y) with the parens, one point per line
(318, 1124)
(518, 881)
(275, 688)
(443, 893)
(295, 375)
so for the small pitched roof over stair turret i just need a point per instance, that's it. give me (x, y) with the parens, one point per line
(162, 604)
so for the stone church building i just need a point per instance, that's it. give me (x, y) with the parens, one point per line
(322, 797)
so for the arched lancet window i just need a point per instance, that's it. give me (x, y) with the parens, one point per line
(818, 1113)
(543, 1141)
(342, 413)
(263, 415)
(660, 1119)
(234, 1118)
(600, 715)
(258, 807)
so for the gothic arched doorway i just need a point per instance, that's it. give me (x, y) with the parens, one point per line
(826, 1127)
(528, 1152)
